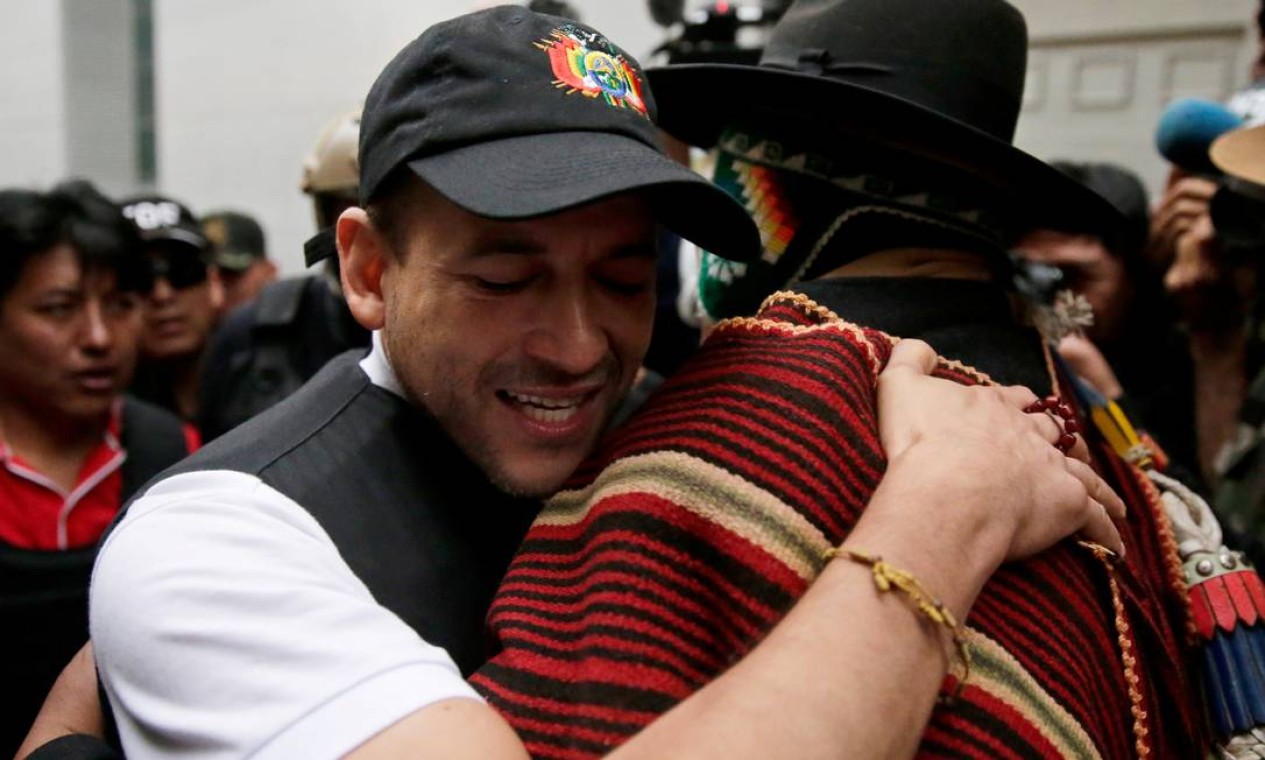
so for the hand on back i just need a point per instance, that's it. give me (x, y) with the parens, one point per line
(990, 468)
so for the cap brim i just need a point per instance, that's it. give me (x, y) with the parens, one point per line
(235, 261)
(697, 101)
(1241, 154)
(535, 175)
(176, 235)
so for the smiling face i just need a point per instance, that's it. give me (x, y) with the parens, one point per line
(68, 340)
(521, 338)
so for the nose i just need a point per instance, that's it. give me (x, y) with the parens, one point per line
(570, 335)
(97, 335)
(162, 290)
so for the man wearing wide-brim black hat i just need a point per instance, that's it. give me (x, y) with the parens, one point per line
(873, 145)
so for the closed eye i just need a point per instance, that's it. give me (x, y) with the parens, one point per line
(58, 309)
(498, 287)
(626, 288)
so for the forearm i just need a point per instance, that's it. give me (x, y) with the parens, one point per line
(71, 706)
(1220, 384)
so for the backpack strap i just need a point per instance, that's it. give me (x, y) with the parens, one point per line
(153, 438)
(273, 371)
(278, 305)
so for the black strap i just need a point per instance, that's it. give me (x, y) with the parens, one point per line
(320, 247)
(278, 304)
(274, 373)
(75, 747)
(109, 727)
(154, 440)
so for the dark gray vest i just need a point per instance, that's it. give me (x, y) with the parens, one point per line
(415, 520)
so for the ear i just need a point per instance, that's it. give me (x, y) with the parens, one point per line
(362, 258)
(215, 289)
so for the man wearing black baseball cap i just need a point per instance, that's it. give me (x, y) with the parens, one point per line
(874, 145)
(183, 305)
(240, 254)
(314, 583)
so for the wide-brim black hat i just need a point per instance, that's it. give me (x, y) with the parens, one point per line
(941, 81)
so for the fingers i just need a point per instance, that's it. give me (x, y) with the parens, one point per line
(1099, 505)
(912, 355)
(1180, 214)
(1016, 395)
(984, 436)
(911, 403)
(1050, 428)
(1089, 364)
(1195, 263)
(1047, 426)
(1185, 202)
(1187, 196)
(1102, 510)
(1097, 489)
(1080, 450)
(1054, 432)
(1100, 529)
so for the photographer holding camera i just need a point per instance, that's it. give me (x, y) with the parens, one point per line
(1217, 229)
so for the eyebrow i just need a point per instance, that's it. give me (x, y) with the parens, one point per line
(503, 246)
(520, 247)
(648, 249)
(61, 293)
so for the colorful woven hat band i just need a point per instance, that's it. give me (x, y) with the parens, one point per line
(817, 210)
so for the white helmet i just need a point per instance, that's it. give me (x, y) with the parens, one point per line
(333, 165)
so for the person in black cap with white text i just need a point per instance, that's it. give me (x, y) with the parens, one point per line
(314, 583)
(183, 305)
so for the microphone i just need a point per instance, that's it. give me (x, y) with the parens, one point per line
(1187, 130)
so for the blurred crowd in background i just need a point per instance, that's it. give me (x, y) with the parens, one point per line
(141, 325)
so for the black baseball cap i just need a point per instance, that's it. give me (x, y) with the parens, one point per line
(161, 219)
(512, 114)
(237, 240)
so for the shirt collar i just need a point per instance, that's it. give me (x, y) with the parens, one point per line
(110, 436)
(378, 367)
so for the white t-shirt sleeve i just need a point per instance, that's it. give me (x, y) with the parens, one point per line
(226, 624)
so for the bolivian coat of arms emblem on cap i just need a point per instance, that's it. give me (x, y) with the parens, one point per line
(585, 62)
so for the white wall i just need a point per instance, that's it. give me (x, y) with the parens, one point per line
(1077, 19)
(32, 110)
(1101, 73)
(99, 92)
(245, 86)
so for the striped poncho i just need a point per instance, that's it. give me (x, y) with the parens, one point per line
(695, 527)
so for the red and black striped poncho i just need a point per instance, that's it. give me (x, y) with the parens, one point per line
(695, 527)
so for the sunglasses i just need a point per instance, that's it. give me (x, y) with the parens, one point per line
(179, 270)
